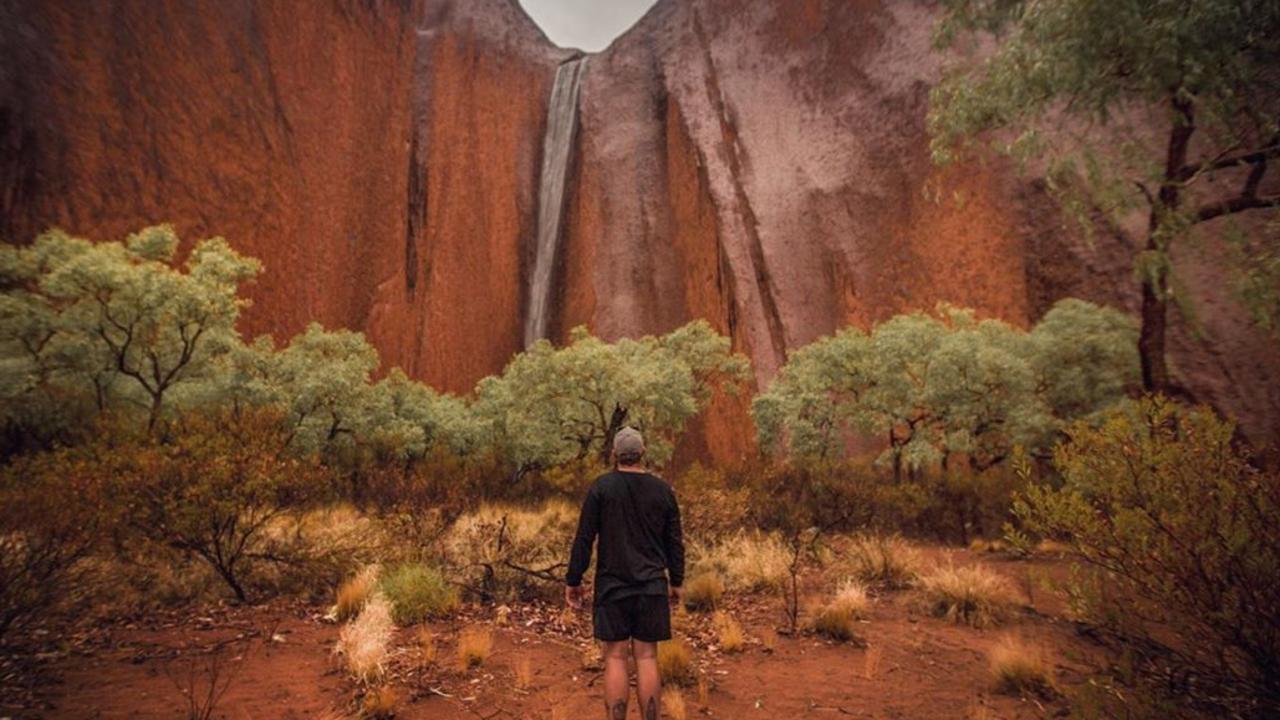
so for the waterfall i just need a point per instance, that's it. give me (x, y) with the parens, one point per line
(562, 122)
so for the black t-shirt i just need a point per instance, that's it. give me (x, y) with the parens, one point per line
(637, 519)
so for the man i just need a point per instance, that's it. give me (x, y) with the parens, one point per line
(641, 544)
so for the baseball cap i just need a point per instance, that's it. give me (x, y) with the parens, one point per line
(628, 440)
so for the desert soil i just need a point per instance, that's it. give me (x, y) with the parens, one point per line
(277, 662)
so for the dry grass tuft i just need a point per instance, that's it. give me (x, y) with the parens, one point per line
(523, 674)
(729, 633)
(748, 562)
(1019, 669)
(364, 642)
(673, 704)
(380, 704)
(769, 639)
(838, 618)
(703, 591)
(704, 693)
(354, 593)
(871, 661)
(474, 646)
(887, 561)
(973, 595)
(675, 662)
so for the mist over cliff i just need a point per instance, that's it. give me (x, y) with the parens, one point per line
(762, 164)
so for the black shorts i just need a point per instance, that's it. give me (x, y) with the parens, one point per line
(646, 618)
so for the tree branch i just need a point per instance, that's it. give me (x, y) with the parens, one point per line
(1251, 157)
(1235, 205)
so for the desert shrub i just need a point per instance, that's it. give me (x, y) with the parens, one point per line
(747, 561)
(211, 486)
(884, 560)
(709, 508)
(474, 645)
(838, 618)
(804, 504)
(1184, 535)
(418, 592)
(729, 634)
(971, 595)
(675, 662)
(505, 553)
(1019, 669)
(962, 504)
(353, 593)
(54, 507)
(703, 591)
(364, 643)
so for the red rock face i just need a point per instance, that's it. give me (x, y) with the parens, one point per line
(285, 131)
(760, 164)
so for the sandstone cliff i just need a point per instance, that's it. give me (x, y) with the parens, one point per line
(761, 164)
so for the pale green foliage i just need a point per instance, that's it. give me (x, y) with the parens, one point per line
(553, 405)
(934, 385)
(1099, 59)
(117, 324)
(1184, 533)
(323, 381)
(1090, 87)
(1083, 357)
(415, 420)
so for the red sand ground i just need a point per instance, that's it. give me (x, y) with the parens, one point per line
(928, 668)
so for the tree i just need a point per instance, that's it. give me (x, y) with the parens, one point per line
(1199, 74)
(322, 379)
(553, 405)
(118, 322)
(934, 386)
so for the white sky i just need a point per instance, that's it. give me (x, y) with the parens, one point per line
(585, 24)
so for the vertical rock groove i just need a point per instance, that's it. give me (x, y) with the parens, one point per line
(729, 149)
(562, 121)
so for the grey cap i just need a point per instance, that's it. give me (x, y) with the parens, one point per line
(628, 441)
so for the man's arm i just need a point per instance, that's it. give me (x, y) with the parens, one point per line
(674, 538)
(580, 554)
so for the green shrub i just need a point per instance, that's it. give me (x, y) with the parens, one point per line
(1184, 535)
(418, 592)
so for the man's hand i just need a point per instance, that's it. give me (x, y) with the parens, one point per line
(675, 593)
(573, 596)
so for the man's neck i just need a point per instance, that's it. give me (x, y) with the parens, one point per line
(631, 468)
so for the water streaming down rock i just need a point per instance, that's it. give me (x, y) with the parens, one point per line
(562, 122)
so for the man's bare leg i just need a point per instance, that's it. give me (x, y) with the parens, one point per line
(648, 681)
(616, 687)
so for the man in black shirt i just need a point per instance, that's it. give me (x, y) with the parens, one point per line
(637, 520)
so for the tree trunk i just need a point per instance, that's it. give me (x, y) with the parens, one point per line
(1151, 336)
(615, 424)
(1155, 279)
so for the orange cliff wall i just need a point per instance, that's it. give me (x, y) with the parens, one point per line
(455, 314)
(285, 131)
